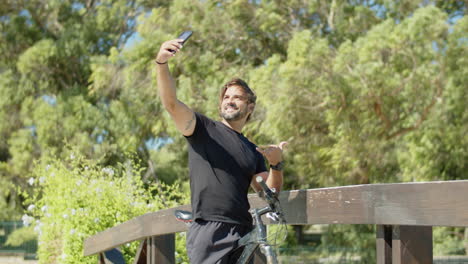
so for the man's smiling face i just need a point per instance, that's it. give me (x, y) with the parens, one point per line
(234, 105)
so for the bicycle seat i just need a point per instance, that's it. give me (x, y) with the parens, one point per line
(184, 216)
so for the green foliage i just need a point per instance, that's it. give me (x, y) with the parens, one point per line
(20, 236)
(75, 198)
(347, 236)
(448, 241)
(438, 151)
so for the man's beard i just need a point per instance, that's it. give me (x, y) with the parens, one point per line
(235, 115)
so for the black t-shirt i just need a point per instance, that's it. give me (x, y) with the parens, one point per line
(222, 163)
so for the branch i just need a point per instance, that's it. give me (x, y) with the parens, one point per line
(380, 114)
(331, 15)
(424, 115)
(314, 107)
(378, 101)
(35, 18)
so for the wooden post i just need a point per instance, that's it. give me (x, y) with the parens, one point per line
(404, 244)
(384, 244)
(156, 249)
(412, 244)
(140, 257)
(161, 249)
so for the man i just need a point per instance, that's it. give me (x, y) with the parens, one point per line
(222, 162)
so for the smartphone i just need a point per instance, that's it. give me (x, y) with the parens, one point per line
(185, 36)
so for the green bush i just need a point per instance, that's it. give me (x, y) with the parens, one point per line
(75, 198)
(448, 241)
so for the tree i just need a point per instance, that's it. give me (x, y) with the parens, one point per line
(45, 66)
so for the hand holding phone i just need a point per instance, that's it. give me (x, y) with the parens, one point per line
(170, 47)
(183, 37)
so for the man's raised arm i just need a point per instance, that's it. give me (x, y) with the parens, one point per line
(182, 115)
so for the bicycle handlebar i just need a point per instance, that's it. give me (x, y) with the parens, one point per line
(270, 196)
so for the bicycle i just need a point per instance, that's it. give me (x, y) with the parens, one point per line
(257, 238)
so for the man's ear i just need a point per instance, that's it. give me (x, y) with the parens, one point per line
(251, 107)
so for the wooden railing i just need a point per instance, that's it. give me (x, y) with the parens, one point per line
(403, 212)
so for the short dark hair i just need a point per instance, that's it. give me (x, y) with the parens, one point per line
(251, 97)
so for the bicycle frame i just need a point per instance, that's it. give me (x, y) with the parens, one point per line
(257, 238)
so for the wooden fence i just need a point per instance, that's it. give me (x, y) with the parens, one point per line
(403, 212)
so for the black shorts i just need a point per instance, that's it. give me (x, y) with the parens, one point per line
(210, 242)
